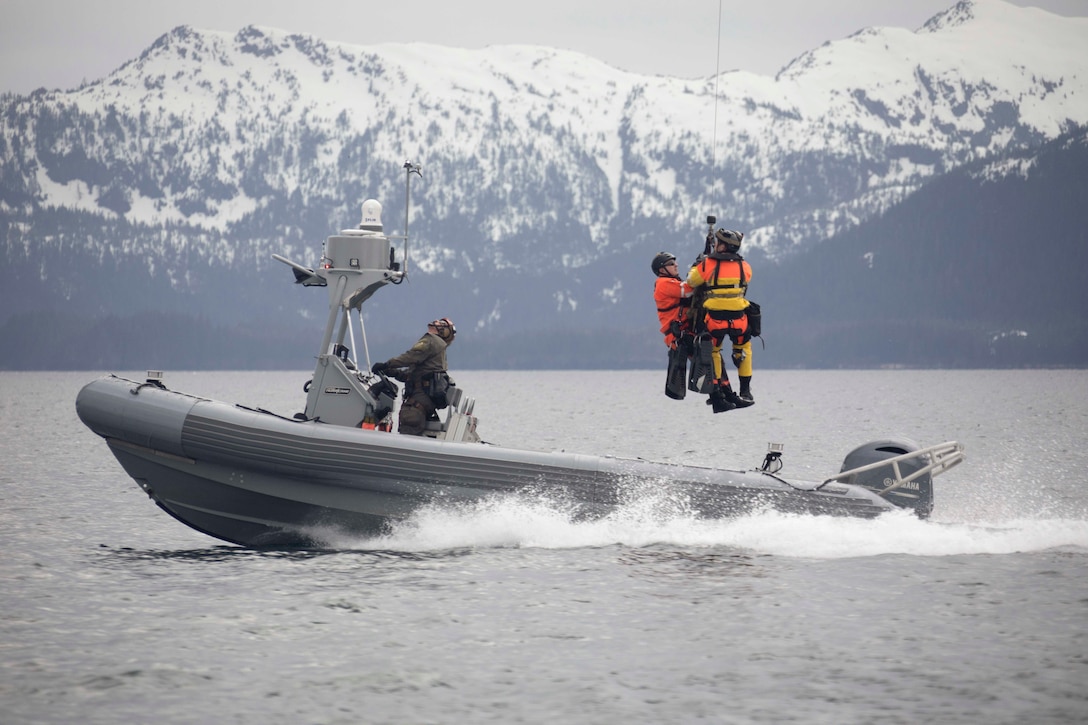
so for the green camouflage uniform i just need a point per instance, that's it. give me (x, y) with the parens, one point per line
(415, 368)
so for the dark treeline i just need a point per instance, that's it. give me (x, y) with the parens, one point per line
(52, 341)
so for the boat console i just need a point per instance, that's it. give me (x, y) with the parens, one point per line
(355, 264)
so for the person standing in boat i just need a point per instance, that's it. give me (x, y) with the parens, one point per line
(723, 277)
(422, 369)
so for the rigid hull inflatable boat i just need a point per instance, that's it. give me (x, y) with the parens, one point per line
(254, 478)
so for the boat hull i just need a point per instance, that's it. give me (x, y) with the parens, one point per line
(257, 479)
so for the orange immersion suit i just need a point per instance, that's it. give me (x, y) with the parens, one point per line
(673, 298)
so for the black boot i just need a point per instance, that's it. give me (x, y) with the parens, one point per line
(719, 399)
(736, 400)
(746, 389)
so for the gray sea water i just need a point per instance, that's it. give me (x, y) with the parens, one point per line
(111, 611)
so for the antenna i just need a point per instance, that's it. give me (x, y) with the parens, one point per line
(409, 169)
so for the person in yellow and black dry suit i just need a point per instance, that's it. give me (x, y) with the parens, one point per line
(422, 369)
(722, 276)
(673, 299)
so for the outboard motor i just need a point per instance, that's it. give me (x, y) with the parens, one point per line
(902, 490)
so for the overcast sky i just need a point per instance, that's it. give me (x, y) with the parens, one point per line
(60, 43)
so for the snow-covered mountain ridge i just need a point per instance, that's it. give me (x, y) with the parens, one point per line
(215, 149)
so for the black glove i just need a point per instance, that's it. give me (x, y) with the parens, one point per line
(379, 367)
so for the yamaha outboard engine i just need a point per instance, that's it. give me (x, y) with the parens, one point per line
(916, 494)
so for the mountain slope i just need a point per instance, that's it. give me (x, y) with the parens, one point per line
(549, 177)
(982, 267)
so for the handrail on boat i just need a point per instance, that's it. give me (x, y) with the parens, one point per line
(943, 457)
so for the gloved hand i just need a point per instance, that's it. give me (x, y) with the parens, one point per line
(379, 367)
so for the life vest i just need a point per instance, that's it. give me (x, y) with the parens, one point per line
(724, 277)
(673, 299)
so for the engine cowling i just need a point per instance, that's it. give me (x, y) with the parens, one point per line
(916, 494)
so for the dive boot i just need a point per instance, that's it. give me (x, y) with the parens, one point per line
(719, 400)
(746, 390)
(738, 401)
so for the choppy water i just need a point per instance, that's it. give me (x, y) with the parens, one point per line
(111, 611)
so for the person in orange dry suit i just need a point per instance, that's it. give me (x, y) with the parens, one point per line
(722, 279)
(673, 299)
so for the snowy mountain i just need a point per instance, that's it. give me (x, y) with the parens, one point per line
(549, 178)
(982, 267)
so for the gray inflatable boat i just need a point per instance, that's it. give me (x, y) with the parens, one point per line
(257, 479)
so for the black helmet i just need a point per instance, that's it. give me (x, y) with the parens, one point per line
(660, 260)
(729, 238)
